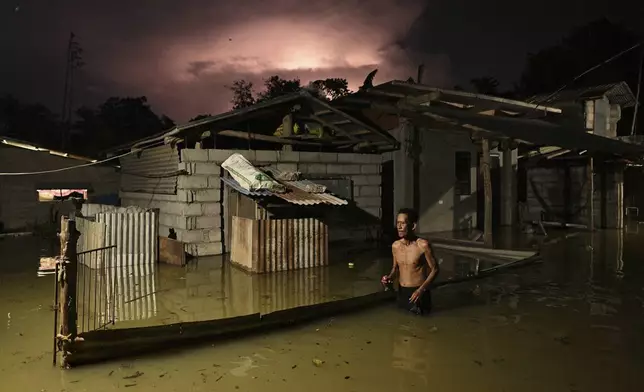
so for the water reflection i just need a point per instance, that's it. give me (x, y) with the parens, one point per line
(571, 318)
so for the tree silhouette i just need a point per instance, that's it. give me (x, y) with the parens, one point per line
(118, 121)
(585, 47)
(243, 94)
(274, 86)
(32, 123)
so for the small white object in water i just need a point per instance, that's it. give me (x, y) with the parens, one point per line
(350, 265)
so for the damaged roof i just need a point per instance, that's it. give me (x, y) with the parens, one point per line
(295, 193)
(260, 121)
(617, 93)
(480, 115)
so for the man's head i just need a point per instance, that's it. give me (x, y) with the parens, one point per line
(406, 222)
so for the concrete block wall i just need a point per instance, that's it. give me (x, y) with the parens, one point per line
(549, 187)
(362, 169)
(195, 212)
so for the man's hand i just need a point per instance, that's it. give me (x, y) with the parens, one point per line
(416, 295)
(385, 279)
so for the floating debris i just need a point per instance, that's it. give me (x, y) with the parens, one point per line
(318, 362)
(135, 375)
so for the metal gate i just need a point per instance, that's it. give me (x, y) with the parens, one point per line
(90, 293)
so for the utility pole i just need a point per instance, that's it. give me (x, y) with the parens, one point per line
(74, 62)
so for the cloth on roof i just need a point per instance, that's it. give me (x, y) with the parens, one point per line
(249, 177)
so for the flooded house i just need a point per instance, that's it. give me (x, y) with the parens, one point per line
(180, 172)
(37, 184)
(582, 183)
(452, 140)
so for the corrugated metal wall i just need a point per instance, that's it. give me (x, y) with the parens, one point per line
(135, 292)
(92, 237)
(287, 244)
(134, 234)
(151, 162)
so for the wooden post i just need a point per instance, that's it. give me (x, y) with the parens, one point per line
(486, 163)
(287, 130)
(68, 330)
(590, 206)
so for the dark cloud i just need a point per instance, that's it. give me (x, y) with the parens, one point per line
(183, 54)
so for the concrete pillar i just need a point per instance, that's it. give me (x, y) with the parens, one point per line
(403, 169)
(509, 160)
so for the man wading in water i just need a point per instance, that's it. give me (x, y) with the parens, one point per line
(408, 252)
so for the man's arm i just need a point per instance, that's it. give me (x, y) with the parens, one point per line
(394, 267)
(431, 262)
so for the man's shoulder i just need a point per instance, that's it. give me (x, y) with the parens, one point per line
(422, 243)
(397, 244)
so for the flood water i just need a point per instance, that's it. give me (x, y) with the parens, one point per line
(572, 323)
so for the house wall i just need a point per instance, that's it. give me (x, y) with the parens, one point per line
(19, 205)
(195, 211)
(440, 208)
(547, 192)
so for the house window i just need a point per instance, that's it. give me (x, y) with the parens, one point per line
(61, 194)
(463, 164)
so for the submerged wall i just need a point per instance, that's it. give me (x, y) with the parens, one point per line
(547, 191)
(195, 210)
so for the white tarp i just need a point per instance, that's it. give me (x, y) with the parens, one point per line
(248, 176)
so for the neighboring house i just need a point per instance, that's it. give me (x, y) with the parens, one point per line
(437, 170)
(557, 181)
(30, 200)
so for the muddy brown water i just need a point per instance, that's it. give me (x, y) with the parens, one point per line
(572, 323)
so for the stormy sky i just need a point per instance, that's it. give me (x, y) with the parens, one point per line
(182, 54)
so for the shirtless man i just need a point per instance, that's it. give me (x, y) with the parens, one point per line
(408, 252)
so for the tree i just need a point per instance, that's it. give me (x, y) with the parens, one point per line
(243, 94)
(274, 86)
(32, 123)
(333, 88)
(118, 121)
(585, 47)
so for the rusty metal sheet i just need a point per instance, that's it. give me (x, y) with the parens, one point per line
(171, 252)
(294, 195)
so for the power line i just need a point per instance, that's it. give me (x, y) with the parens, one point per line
(589, 70)
(71, 167)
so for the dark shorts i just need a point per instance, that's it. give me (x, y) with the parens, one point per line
(422, 306)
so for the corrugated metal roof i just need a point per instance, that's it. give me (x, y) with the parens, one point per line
(617, 93)
(404, 99)
(347, 129)
(423, 94)
(294, 195)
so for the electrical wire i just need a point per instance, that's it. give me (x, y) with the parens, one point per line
(71, 167)
(133, 151)
(589, 70)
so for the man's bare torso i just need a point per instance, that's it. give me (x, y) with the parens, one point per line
(411, 264)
